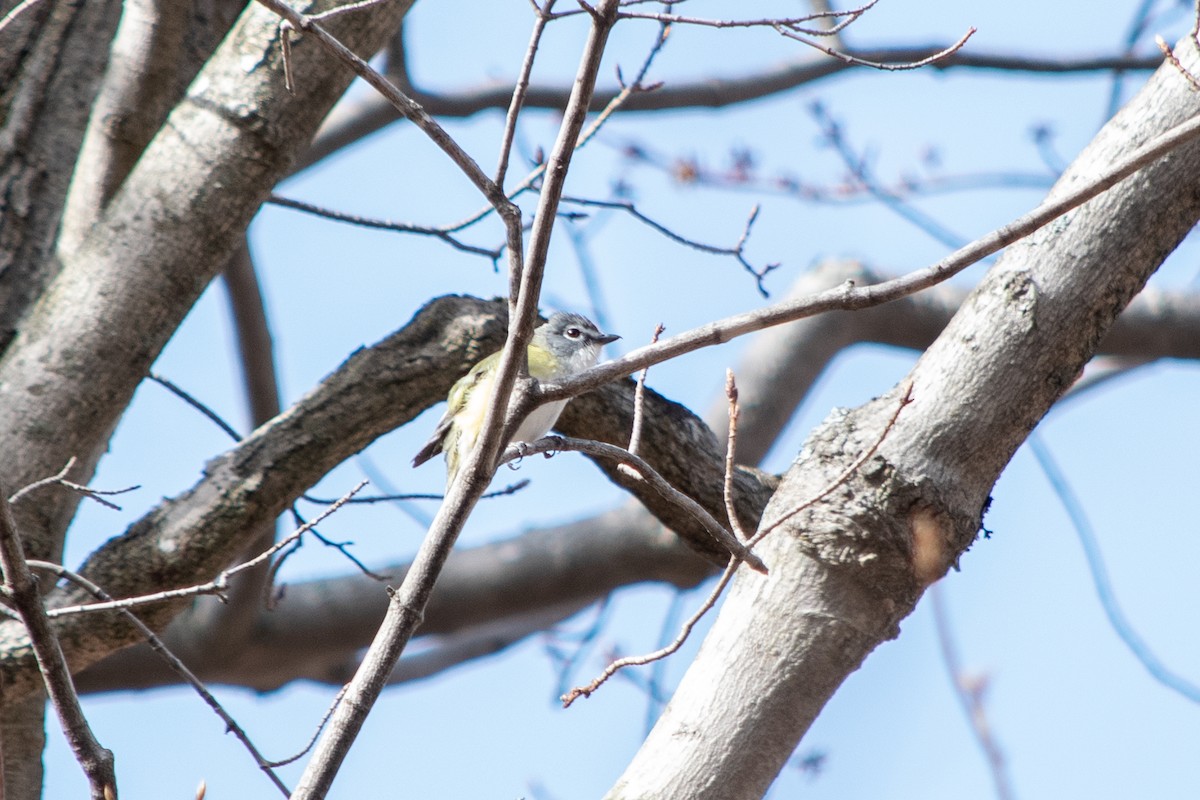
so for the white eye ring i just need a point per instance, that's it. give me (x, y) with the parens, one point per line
(572, 333)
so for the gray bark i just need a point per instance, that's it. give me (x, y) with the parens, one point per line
(847, 570)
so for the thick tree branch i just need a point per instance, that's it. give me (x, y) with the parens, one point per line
(122, 293)
(846, 571)
(782, 363)
(138, 91)
(320, 627)
(353, 120)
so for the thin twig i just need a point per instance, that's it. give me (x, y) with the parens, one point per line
(970, 696)
(1104, 588)
(196, 404)
(639, 404)
(542, 14)
(337, 698)
(61, 480)
(737, 251)
(637, 661)
(492, 254)
(586, 136)
(632, 661)
(402, 103)
(731, 392)
(53, 479)
(881, 65)
(1176, 63)
(512, 488)
(218, 584)
(21, 590)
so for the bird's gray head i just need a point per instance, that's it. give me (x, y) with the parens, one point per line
(573, 339)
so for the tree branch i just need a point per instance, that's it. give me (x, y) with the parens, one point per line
(353, 120)
(20, 586)
(850, 568)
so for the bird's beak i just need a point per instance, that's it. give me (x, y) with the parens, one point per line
(607, 338)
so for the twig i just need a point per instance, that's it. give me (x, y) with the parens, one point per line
(737, 251)
(21, 589)
(402, 103)
(542, 14)
(636, 661)
(341, 547)
(172, 660)
(763, 22)
(512, 488)
(731, 393)
(1104, 588)
(639, 403)
(881, 65)
(492, 254)
(612, 106)
(970, 697)
(407, 604)
(1175, 62)
(62, 473)
(196, 404)
(218, 584)
(337, 698)
(61, 480)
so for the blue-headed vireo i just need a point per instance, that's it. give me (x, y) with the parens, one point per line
(566, 345)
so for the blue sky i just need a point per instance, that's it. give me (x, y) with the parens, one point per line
(1076, 714)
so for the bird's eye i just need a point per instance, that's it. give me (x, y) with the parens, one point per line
(572, 333)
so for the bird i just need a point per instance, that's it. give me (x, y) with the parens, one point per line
(565, 345)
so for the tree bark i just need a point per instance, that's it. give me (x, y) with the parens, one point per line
(848, 569)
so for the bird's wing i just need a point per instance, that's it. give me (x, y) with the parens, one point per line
(459, 396)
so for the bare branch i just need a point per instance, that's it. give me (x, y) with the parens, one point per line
(737, 251)
(854, 298)
(21, 588)
(356, 119)
(409, 601)
(639, 399)
(1104, 588)
(970, 697)
(446, 234)
(932, 58)
(178, 666)
(402, 103)
(731, 393)
(637, 661)
(542, 16)
(217, 585)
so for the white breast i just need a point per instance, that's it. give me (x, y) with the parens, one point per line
(539, 423)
